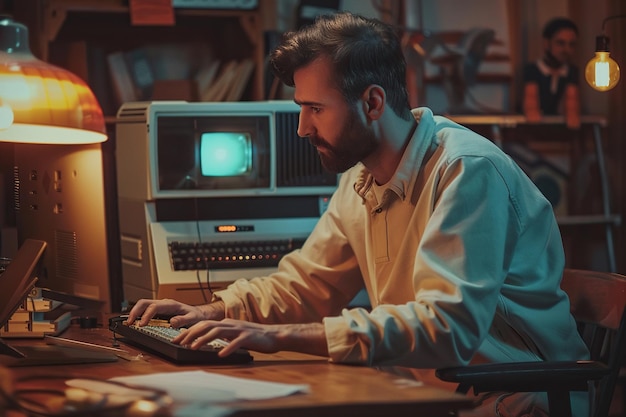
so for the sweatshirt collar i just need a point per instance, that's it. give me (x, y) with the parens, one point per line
(406, 173)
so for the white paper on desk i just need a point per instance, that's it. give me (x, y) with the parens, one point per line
(206, 387)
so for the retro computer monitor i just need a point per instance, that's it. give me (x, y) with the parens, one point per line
(212, 192)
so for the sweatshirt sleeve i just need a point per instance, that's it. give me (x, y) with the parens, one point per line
(313, 282)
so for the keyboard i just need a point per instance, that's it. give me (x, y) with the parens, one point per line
(157, 339)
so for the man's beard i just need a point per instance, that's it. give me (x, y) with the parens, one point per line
(356, 142)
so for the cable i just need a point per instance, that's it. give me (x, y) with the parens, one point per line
(205, 258)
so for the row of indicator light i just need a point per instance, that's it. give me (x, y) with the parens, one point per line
(233, 258)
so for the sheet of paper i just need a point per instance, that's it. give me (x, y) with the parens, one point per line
(201, 386)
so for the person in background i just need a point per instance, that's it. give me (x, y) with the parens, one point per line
(459, 252)
(551, 84)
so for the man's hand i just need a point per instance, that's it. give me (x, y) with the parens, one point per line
(267, 338)
(182, 314)
(530, 102)
(572, 106)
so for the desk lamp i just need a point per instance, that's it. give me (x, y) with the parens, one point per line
(602, 72)
(39, 102)
(57, 128)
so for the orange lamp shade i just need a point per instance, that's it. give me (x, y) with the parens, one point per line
(40, 102)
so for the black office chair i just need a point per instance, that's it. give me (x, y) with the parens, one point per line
(598, 301)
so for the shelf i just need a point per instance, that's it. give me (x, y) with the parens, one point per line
(612, 219)
(55, 13)
(57, 26)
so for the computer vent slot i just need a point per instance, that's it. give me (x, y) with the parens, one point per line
(133, 112)
(66, 254)
(297, 162)
(16, 189)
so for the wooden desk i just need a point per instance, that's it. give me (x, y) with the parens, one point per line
(335, 390)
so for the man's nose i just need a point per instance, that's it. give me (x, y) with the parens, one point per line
(304, 127)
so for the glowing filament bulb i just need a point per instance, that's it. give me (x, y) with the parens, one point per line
(602, 74)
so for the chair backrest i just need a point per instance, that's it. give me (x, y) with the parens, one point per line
(474, 45)
(598, 304)
(458, 64)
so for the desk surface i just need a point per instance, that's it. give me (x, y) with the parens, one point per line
(335, 390)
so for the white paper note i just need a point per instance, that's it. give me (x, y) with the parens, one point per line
(201, 386)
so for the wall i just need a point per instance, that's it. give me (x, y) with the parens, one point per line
(433, 16)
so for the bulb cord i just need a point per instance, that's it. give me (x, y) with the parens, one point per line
(606, 19)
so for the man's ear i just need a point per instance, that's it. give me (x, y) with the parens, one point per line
(374, 101)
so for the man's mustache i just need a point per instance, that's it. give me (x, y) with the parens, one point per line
(318, 142)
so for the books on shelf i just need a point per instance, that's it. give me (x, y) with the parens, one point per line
(157, 72)
(205, 77)
(121, 78)
(218, 89)
(230, 83)
(141, 73)
(240, 81)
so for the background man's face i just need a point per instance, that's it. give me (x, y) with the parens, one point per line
(562, 45)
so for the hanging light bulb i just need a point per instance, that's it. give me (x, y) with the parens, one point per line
(602, 72)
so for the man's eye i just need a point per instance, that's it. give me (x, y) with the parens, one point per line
(316, 109)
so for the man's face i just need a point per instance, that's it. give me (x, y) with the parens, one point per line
(562, 46)
(336, 129)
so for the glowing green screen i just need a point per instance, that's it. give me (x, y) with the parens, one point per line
(224, 154)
